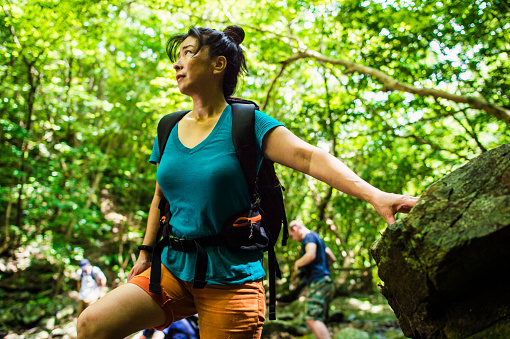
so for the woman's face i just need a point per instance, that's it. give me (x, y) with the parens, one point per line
(193, 71)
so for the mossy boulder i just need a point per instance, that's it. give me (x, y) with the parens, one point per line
(444, 266)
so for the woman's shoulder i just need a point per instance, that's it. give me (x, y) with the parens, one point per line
(264, 118)
(260, 114)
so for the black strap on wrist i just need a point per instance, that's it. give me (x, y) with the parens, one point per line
(145, 248)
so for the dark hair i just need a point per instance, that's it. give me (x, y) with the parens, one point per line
(224, 43)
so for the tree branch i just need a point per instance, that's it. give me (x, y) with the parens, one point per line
(391, 84)
(435, 147)
(418, 139)
(266, 100)
(13, 32)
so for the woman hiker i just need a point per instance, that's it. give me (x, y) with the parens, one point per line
(200, 176)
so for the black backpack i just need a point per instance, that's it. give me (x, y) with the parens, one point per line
(262, 221)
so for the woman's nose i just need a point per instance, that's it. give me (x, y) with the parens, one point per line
(177, 65)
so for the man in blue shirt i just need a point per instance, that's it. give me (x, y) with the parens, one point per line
(314, 262)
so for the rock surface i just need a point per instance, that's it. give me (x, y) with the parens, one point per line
(445, 265)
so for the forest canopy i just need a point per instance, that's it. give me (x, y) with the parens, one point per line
(402, 91)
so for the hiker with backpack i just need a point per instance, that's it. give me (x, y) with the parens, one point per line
(314, 261)
(91, 284)
(212, 253)
(182, 329)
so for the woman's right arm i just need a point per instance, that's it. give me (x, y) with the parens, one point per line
(144, 258)
(282, 146)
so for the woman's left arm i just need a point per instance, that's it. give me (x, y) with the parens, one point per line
(282, 146)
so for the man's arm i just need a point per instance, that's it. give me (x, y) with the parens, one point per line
(330, 255)
(100, 279)
(308, 257)
(102, 285)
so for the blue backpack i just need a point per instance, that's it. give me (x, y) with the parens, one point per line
(182, 329)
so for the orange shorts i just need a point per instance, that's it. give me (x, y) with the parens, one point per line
(224, 311)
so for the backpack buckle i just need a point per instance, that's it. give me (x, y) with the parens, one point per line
(162, 220)
(247, 221)
(182, 245)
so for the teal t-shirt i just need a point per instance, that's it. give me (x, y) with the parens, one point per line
(204, 185)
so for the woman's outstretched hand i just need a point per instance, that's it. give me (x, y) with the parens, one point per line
(388, 204)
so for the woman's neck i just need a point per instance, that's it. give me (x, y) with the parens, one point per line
(208, 106)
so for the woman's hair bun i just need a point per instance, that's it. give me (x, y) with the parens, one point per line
(235, 33)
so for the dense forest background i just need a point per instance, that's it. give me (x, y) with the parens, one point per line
(402, 91)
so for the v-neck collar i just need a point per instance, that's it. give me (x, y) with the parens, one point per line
(203, 143)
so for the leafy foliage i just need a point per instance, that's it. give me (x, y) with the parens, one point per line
(83, 84)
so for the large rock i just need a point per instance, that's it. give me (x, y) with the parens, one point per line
(445, 266)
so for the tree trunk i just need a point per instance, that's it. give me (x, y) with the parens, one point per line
(33, 83)
(5, 245)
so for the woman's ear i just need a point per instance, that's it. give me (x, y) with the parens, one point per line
(220, 64)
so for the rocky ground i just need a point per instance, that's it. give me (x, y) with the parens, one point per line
(351, 317)
(29, 310)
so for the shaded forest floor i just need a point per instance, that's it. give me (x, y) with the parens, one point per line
(353, 317)
(29, 310)
(350, 317)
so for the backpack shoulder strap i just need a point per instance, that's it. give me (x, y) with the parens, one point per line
(92, 274)
(95, 275)
(165, 126)
(243, 135)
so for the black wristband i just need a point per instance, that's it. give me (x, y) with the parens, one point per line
(145, 248)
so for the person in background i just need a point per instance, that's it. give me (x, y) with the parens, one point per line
(91, 284)
(314, 262)
(200, 176)
(181, 329)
